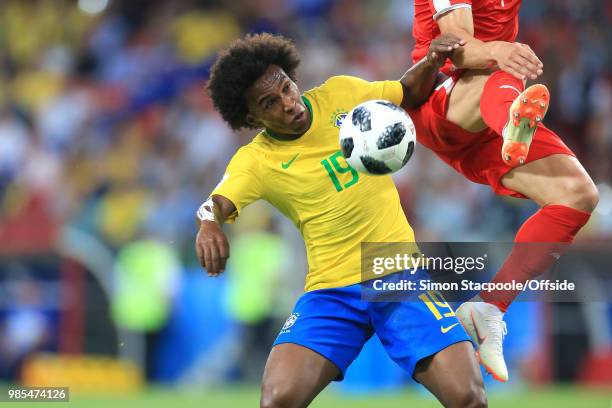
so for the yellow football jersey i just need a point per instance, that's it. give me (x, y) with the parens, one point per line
(307, 179)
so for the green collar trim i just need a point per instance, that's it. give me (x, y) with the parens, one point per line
(308, 106)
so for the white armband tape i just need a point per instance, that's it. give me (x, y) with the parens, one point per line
(206, 211)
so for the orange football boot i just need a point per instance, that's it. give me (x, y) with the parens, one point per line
(527, 110)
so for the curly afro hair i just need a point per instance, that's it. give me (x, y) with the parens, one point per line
(240, 65)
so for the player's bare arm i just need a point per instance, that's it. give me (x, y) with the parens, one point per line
(211, 245)
(420, 79)
(515, 58)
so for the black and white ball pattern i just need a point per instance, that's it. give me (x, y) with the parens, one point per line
(377, 137)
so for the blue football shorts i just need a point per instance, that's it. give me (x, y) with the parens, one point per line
(336, 323)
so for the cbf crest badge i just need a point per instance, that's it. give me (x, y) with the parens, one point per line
(289, 322)
(337, 117)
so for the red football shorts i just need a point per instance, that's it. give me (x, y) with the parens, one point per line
(475, 155)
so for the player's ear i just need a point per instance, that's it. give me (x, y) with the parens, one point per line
(251, 120)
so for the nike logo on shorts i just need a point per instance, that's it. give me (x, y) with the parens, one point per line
(447, 329)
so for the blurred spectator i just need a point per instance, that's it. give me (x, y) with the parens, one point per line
(26, 327)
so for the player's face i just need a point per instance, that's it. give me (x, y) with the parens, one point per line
(275, 103)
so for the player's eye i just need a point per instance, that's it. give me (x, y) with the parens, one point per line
(269, 103)
(286, 88)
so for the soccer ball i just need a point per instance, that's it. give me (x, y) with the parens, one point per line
(377, 137)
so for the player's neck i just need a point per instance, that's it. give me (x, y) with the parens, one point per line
(282, 137)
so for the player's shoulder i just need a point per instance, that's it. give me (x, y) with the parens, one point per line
(257, 151)
(247, 154)
(339, 82)
(336, 87)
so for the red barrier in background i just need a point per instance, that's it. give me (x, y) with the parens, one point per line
(71, 330)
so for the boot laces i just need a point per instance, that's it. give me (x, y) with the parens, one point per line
(497, 330)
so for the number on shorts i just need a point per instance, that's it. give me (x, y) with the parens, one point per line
(436, 304)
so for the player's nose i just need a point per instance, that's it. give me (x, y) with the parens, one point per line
(289, 104)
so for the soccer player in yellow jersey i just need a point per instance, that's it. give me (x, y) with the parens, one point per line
(295, 163)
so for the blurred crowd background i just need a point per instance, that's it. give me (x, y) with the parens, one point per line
(108, 145)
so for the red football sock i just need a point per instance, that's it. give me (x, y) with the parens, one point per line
(500, 90)
(538, 244)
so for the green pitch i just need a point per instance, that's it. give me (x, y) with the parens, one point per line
(238, 397)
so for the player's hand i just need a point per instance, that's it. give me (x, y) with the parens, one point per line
(212, 248)
(517, 59)
(442, 48)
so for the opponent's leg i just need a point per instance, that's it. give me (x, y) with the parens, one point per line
(567, 196)
(293, 376)
(464, 101)
(453, 376)
(557, 179)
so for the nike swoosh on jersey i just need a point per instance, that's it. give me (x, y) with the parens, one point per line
(446, 329)
(285, 166)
